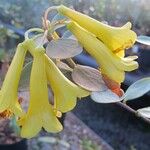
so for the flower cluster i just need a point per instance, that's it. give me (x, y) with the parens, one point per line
(41, 113)
(104, 43)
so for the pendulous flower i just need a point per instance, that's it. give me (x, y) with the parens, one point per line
(40, 112)
(116, 38)
(65, 91)
(9, 91)
(111, 65)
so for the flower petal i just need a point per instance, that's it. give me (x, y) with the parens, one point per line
(116, 38)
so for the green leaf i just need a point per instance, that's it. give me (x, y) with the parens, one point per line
(63, 48)
(137, 89)
(144, 112)
(25, 77)
(106, 96)
(88, 78)
(143, 39)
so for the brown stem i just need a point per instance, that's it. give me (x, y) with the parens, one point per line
(129, 109)
(71, 63)
(46, 15)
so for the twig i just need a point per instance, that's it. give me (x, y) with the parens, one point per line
(129, 109)
(26, 35)
(71, 63)
(46, 15)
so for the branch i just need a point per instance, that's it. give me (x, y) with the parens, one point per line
(45, 18)
(129, 109)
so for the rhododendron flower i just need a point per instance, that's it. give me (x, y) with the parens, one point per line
(116, 38)
(65, 91)
(111, 65)
(40, 112)
(9, 90)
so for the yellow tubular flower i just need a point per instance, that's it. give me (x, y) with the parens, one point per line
(40, 112)
(116, 38)
(9, 90)
(65, 91)
(111, 65)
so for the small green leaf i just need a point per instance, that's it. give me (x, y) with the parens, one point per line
(143, 39)
(137, 89)
(144, 112)
(25, 77)
(106, 96)
(63, 48)
(88, 78)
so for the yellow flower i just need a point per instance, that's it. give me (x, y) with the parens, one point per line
(116, 38)
(65, 91)
(40, 112)
(111, 65)
(8, 93)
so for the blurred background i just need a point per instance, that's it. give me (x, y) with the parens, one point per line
(91, 126)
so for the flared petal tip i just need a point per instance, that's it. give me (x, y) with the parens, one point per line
(128, 25)
(67, 107)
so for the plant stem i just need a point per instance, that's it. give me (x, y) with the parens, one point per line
(71, 63)
(129, 109)
(46, 15)
(32, 30)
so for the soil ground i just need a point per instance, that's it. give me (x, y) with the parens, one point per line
(121, 129)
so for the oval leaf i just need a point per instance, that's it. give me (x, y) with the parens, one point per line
(106, 96)
(63, 48)
(137, 89)
(40, 40)
(88, 78)
(25, 77)
(143, 39)
(144, 112)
